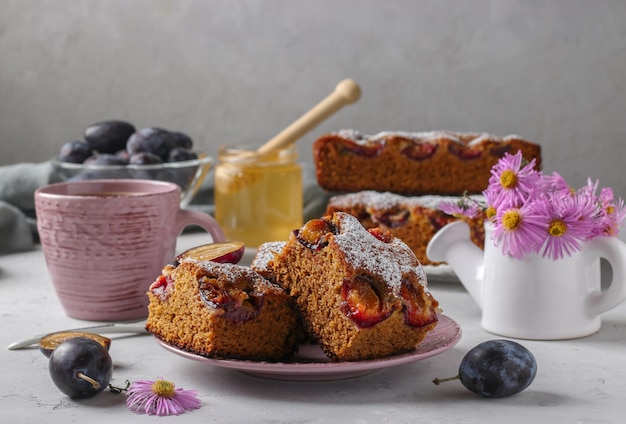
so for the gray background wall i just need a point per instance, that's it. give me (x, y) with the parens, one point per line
(230, 70)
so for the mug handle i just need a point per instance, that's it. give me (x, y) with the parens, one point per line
(614, 251)
(186, 217)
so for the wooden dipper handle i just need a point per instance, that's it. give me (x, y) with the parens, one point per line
(346, 92)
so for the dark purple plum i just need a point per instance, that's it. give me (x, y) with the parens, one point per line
(180, 139)
(74, 152)
(496, 368)
(123, 154)
(105, 159)
(179, 154)
(80, 367)
(108, 136)
(151, 140)
(144, 158)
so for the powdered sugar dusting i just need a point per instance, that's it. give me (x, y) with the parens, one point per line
(388, 200)
(266, 253)
(471, 138)
(232, 272)
(390, 261)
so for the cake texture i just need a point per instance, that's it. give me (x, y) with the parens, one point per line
(264, 258)
(222, 311)
(413, 219)
(413, 163)
(263, 263)
(362, 294)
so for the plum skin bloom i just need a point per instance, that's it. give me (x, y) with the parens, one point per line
(160, 397)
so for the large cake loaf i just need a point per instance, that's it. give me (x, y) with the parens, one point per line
(413, 163)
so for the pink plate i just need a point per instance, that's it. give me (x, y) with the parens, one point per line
(311, 364)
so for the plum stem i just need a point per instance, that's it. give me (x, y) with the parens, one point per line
(91, 381)
(438, 381)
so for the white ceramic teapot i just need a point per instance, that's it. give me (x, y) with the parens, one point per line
(534, 297)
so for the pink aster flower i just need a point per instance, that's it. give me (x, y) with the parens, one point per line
(160, 397)
(463, 207)
(512, 181)
(615, 213)
(611, 212)
(554, 183)
(533, 212)
(518, 230)
(570, 222)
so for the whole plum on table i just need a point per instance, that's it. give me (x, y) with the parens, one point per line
(496, 368)
(74, 152)
(108, 136)
(80, 367)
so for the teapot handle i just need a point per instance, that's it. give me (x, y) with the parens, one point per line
(614, 251)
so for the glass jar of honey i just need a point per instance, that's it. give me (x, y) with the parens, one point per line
(258, 197)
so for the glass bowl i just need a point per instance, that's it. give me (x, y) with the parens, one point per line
(188, 174)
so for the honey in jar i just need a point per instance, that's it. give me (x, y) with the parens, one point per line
(258, 197)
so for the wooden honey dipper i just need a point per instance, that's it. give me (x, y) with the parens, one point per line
(345, 93)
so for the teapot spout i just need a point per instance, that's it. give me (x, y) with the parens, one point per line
(452, 244)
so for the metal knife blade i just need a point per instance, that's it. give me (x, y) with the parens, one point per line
(138, 328)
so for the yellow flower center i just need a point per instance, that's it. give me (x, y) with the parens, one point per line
(490, 212)
(511, 219)
(163, 388)
(557, 228)
(508, 179)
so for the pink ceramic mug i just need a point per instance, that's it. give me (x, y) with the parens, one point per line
(105, 241)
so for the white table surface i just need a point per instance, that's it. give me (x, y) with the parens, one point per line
(578, 381)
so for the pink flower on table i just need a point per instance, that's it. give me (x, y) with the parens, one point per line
(160, 397)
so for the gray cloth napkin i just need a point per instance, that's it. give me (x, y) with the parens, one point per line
(18, 227)
(17, 203)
